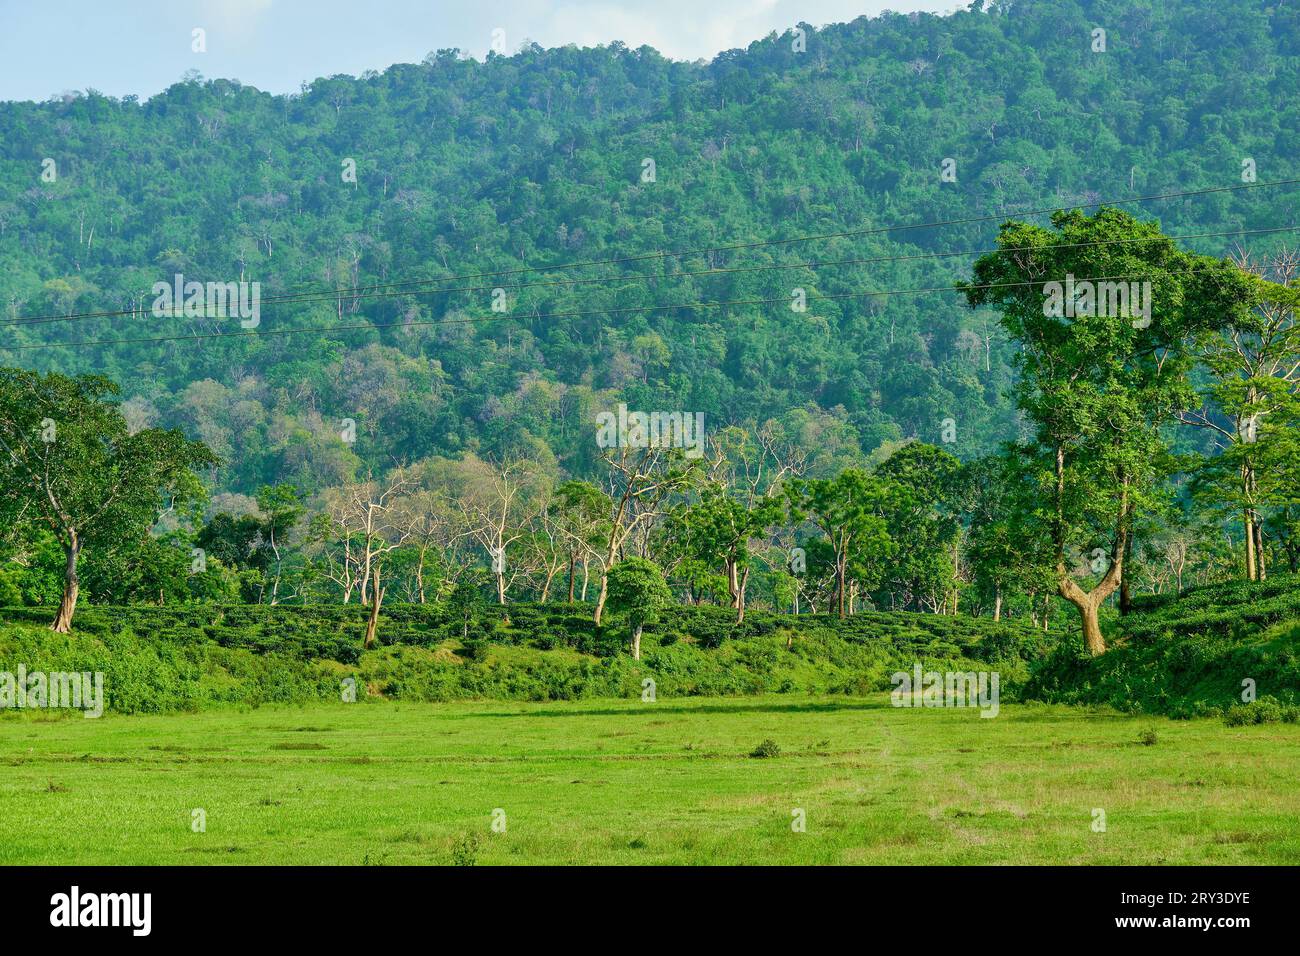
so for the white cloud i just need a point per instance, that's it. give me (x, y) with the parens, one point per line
(682, 29)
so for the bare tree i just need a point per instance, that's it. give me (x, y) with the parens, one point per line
(362, 517)
(640, 484)
(499, 503)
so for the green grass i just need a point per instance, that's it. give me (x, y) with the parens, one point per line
(629, 782)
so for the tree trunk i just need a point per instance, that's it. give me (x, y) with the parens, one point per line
(68, 605)
(571, 562)
(1249, 522)
(1259, 549)
(275, 582)
(1089, 601)
(997, 604)
(740, 596)
(376, 598)
(839, 583)
(419, 574)
(1125, 598)
(956, 576)
(600, 600)
(1091, 628)
(636, 643)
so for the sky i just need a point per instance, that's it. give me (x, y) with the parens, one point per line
(140, 47)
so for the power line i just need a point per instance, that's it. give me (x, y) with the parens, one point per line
(244, 333)
(354, 292)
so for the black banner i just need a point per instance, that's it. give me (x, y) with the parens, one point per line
(332, 904)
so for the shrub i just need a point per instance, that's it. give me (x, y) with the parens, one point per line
(475, 649)
(768, 748)
(465, 850)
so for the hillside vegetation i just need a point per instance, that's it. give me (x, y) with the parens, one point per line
(1185, 657)
(160, 660)
(537, 159)
(1189, 656)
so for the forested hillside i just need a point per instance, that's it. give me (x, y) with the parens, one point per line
(538, 159)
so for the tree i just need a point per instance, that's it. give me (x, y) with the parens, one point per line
(636, 591)
(1008, 549)
(577, 514)
(718, 529)
(1101, 373)
(741, 501)
(499, 504)
(69, 462)
(466, 600)
(849, 510)
(640, 485)
(924, 526)
(1254, 359)
(428, 518)
(364, 518)
(281, 509)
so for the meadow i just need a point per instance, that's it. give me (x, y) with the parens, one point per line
(679, 780)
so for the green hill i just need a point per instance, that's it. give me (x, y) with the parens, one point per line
(466, 168)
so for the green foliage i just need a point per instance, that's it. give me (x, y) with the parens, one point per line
(200, 656)
(1266, 710)
(72, 467)
(535, 159)
(849, 510)
(1189, 657)
(637, 591)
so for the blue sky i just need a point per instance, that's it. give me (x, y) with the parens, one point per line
(140, 47)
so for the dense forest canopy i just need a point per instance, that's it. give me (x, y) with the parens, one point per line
(539, 159)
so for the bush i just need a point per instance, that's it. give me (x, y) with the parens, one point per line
(203, 655)
(768, 748)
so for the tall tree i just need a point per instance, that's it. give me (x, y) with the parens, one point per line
(281, 509)
(640, 484)
(1252, 406)
(924, 525)
(1104, 309)
(69, 462)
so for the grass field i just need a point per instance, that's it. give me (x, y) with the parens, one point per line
(630, 782)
